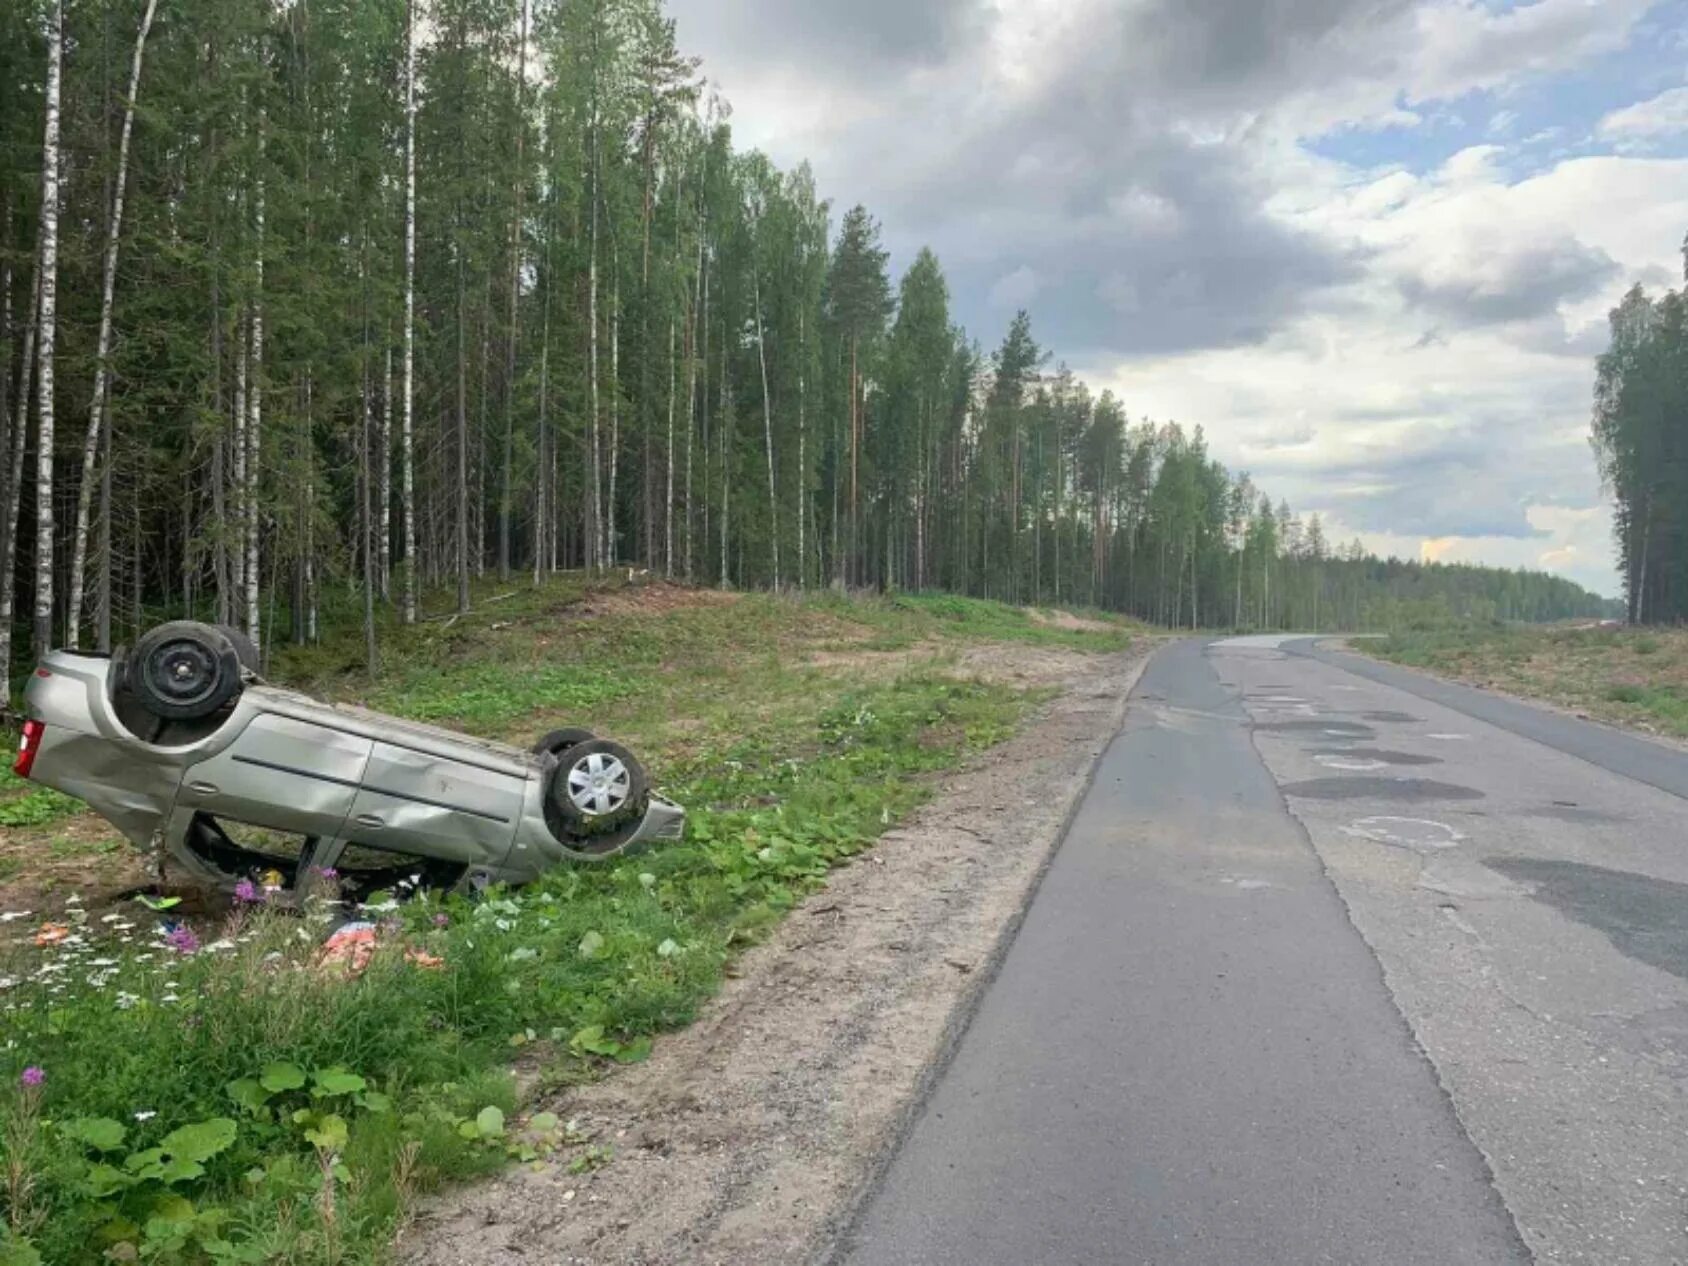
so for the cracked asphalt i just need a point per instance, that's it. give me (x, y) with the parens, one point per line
(1338, 963)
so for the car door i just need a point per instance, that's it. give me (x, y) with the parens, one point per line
(437, 806)
(283, 773)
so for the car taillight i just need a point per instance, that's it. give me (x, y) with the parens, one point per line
(28, 746)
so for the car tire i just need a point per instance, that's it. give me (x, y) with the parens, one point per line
(184, 671)
(597, 789)
(244, 651)
(559, 741)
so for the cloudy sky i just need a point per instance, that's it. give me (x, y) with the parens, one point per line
(1368, 244)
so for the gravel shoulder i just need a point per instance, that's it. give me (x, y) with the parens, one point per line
(754, 1134)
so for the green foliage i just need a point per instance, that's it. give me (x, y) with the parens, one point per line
(197, 1095)
(1620, 675)
(22, 804)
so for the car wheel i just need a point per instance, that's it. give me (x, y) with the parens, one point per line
(244, 651)
(597, 788)
(183, 671)
(557, 742)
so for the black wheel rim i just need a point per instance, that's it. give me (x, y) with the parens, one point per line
(183, 672)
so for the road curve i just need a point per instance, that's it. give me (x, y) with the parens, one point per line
(1337, 964)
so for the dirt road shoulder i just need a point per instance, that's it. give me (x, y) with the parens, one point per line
(752, 1135)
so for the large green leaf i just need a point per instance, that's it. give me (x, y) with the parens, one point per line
(279, 1077)
(248, 1094)
(337, 1081)
(100, 1133)
(329, 1133)
(201, 1141)
(490, 1122)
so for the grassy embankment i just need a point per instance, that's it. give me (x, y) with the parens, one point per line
(223, 1099)
(1632, 677)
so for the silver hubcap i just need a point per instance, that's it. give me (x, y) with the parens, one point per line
(599, 784)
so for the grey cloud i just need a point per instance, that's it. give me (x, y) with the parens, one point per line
(1230, 54)
(1475, 482)
(860, 39)
(1518, 285)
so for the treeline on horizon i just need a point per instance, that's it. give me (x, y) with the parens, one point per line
(1641, 441)
(329, 303)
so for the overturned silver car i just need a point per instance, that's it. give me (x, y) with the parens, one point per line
(221, 777)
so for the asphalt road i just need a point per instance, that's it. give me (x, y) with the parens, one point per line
(1337, 964)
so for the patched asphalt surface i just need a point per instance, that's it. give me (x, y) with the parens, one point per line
(1338, 963)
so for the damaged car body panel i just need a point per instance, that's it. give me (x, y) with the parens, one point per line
(272, 782)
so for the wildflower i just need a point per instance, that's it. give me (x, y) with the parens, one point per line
(33, 1076)
(183, 940)
(220, 947)
(51, 934)
(145, 1116)
(171, 997)
(328, 872)
(442, 920)
(12, 915)
(246, 892)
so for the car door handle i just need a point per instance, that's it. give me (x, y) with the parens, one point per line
(203, 788)
(369, 820)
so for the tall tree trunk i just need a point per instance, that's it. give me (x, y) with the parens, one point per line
(505, 499)
(13, 490)
(544, 492)
(594, 554)
(462, 433)
(767, 426)
(48, 337)
(383, 458)
(97, 417)
(802, 445)
(408, 458)
(611, 535)
(255, 407)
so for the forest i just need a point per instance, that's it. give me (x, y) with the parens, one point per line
(340, 309)
(1641, 440)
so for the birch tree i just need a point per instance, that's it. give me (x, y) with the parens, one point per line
(48, 334)
(98, 414)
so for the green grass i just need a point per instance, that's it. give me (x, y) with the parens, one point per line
(787, 770)
(1625, 676)
(22, 804)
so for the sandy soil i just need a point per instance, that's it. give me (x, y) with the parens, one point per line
(753, 1136)
(1067, 620)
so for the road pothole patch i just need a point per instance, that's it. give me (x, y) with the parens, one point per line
(1349, 764)
(1380, 789)
(1419, 834)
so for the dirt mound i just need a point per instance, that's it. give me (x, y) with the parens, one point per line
(655, 598)
(1068, 621)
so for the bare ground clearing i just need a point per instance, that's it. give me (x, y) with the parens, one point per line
(753, 1135)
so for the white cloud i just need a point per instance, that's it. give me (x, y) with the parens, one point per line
(1664, 115)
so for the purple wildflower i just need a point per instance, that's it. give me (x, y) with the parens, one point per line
(33, 1076)
(442, 920)
(328, 872)
(246, 892)
(183, 940)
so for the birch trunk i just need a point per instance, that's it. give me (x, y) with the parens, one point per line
(594, 546)
(408, 473)
(238, 454)
(13, 499)
(611, 536)
(384, 480)
(802, 446)
(97, 418)
(505, 504)
(462, 437)
(767, 428)
(255, 415)
(47, 338)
